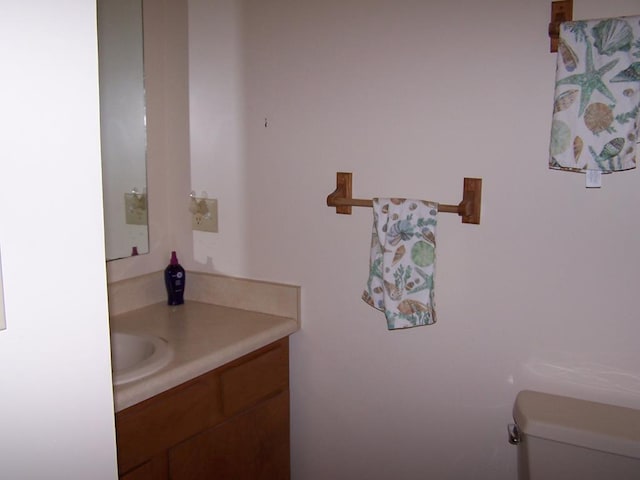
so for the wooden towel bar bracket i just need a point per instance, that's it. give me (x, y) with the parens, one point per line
(469, 208)
(561, 11)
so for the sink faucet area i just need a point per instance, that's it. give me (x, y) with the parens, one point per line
(156, 347)
(135, 356)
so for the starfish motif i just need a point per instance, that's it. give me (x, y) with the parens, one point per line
(590, 80)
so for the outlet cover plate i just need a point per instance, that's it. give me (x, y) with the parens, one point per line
(135, 207)
(206, 217)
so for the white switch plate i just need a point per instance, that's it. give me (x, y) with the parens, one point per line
(135, 207)
(205, 219)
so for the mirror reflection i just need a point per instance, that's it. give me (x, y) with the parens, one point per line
(123, 127)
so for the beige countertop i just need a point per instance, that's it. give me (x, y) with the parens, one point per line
(203, 337)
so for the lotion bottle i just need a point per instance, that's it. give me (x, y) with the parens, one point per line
(174, 279)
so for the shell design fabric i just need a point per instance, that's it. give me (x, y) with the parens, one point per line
(597, 96)
(402, 263)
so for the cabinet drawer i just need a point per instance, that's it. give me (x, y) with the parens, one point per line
(256, 377)
(253, 445)
(151, 427)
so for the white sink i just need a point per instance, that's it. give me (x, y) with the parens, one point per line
(136, 356)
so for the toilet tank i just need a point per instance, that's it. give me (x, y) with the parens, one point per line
(565, 438)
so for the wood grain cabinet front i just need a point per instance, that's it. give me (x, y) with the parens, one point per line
(155, 469)
(252, 445)
(230, 423)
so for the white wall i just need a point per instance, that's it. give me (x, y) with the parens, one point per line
(56, 405)
(413, 96)
(218, 133)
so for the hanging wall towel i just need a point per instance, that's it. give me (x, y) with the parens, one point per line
(597, 97)
(402, 261)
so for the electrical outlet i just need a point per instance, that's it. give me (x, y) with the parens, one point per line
(135, 207)
(205, 216)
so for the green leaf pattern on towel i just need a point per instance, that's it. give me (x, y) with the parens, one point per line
(402, 262)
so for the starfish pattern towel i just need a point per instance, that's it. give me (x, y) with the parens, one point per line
(597, 97)
(402, 262)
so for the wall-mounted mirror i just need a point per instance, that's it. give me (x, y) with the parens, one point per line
(123, 127)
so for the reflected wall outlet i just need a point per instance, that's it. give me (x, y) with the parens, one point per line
(205, 215)
(135, 207)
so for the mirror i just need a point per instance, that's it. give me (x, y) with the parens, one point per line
(123, 127)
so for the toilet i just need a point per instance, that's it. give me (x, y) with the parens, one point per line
(565, 438)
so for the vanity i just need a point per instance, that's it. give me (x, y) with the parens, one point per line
(220, 407)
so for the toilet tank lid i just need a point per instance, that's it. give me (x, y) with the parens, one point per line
(577, 422)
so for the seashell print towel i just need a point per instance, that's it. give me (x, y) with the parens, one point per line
(597, 97)
(402, 263)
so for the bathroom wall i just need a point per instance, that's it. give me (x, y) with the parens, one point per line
(218, 133)
(411, 97)
(56, 402)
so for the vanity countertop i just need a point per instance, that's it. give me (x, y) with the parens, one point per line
(203, 337)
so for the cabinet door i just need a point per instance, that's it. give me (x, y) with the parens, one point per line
(151, 427)
(254, 445)
(154, 469)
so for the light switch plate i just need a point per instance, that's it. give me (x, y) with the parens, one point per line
(135, 206)
(205, 217)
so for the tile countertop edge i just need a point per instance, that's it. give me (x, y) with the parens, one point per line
(252, 331)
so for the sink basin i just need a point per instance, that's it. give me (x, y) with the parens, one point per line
(135, 356)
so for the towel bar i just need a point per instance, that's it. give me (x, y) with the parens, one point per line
(468, 208)
(561, 11)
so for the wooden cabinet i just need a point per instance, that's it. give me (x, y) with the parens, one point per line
(231, 423)
(156, 469)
